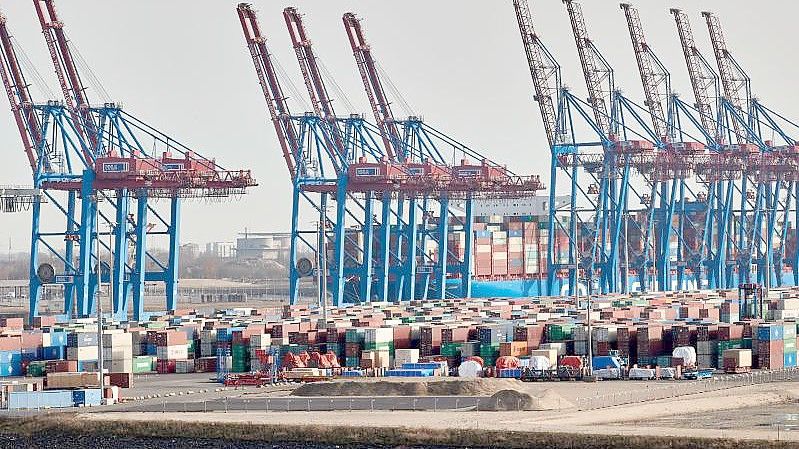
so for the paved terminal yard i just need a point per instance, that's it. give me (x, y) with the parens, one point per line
(756, 412)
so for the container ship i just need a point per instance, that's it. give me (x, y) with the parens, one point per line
(511, 243)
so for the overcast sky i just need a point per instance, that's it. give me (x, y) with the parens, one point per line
(182, 66)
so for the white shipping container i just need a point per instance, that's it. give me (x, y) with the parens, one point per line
(118, 353)
(550, 354)
(405, 356)
(184, 366)
(208, 335)
(260, 341)
(118, 366)
(380, 359)
(740, 358)
(117, 340)
(379, 335)
(560, 348)
(207, 349)
(788, 304)
(82, 353)
(174, 352)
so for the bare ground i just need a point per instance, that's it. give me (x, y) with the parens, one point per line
(654, 418)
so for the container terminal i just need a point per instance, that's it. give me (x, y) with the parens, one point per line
(655, 259)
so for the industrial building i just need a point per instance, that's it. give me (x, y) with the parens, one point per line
(263, 246)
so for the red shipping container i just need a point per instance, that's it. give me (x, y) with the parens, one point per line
(10, 343)
(170, 338)
(61, 366)
(770, 354)
(205, 365)
(165, 366)
(43, 321)
(121, 380)
(12, 323)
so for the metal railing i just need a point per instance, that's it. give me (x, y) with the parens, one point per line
(677, 388)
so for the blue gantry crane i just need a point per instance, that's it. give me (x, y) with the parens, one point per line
(703, 209)
(90, 163)
(351, 164)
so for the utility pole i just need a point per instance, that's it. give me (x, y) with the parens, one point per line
(100, 362)
(626, 253)
(321, 263)
(590, 338)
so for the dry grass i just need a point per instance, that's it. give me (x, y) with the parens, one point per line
(69, 424)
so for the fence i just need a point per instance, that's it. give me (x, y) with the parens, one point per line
(316, 404)
(675, 389)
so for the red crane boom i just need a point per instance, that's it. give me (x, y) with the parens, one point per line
(542, 69)
(378, 99)
(67, 72)
(19, 96)
(647, 65)
(322, 103)
(735, 82)
(703, 80)
(270, 85)
(590, 60)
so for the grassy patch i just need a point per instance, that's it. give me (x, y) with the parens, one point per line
(69, 424)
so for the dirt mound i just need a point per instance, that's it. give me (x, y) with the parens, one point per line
(475, 387)
(513, 400)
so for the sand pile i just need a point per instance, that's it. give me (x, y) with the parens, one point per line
(513, 400)
(472, 387)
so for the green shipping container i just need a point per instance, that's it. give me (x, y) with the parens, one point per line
(451, 349)
(352, 362)
(37, 369)
(143, 364)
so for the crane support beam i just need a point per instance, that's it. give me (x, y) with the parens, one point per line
(19, 96)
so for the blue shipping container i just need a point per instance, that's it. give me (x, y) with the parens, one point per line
(78, 397)
(789, 359)
(413, 366)
(52, 353)
(224, 334)
(152, 349)
(40, 399)
(87, 365)
(29, 355)
(770, 332)
(11, 369)
(58, 338)
(602, 362)
(10, 357)
(510, 373)
(410, 373)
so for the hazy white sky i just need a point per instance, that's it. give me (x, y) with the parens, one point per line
(182, 66)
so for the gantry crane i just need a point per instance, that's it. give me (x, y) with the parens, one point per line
(721, 170)
(80, 153)
(768, 167)
(373, 255)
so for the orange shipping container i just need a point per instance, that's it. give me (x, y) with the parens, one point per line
(513, 349)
